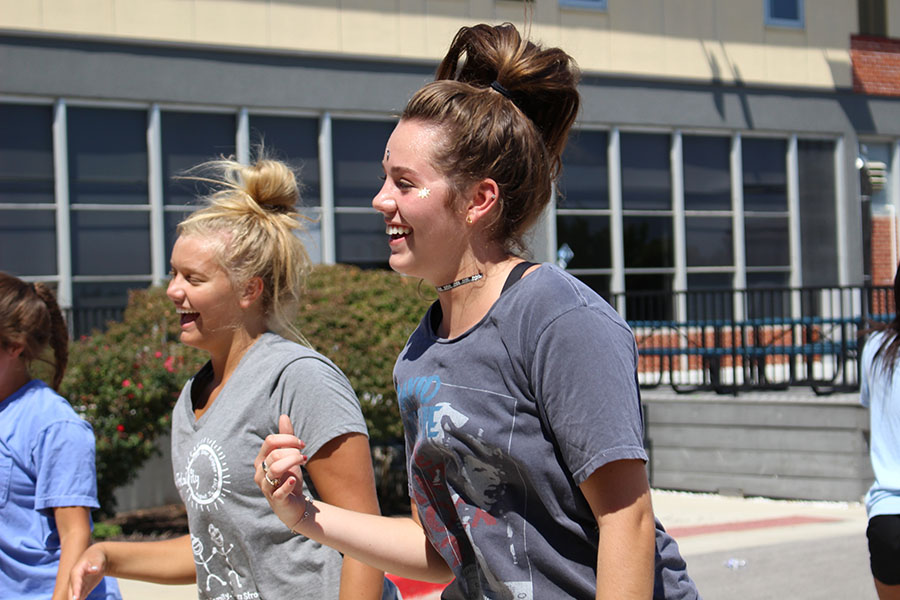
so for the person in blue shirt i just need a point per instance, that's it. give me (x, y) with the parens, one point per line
(48, 484)
(880, 392)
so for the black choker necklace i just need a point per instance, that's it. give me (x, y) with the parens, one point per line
(459, 282)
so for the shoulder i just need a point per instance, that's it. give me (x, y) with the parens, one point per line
(550, 296)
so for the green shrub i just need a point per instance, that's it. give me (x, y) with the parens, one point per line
(125, 380)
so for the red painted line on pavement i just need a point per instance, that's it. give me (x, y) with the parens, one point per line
(686, 531)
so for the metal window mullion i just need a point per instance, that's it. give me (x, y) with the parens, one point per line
(155, 191)
(793, 201)
(242, 137)
(737, 220)
(326, 190)
(549, 230)
(679, 235)
(841, 204)
(617, 237)
(893, 196)
(64, 292)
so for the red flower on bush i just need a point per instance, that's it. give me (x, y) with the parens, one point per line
(126, 383)
(170, 364)
(157, 354)
(120, 428)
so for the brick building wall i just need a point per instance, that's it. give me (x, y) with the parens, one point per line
(876, 65)
(884, 256)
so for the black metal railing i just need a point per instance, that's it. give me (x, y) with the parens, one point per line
(85, 320)
(730, 341)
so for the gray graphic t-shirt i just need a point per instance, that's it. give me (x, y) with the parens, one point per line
(241, 550)
(496, 484)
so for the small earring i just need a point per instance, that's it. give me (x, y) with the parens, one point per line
(493, 196)
(469, 219)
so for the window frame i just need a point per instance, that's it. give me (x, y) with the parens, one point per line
(771, 21)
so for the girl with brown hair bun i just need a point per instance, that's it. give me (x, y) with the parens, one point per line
(518, 390)
(237, 276)
(48, 485)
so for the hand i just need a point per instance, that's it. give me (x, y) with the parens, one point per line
(282, 475)
(88, 571)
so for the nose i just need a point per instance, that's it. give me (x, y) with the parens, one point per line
(384, 203)
(173, 290)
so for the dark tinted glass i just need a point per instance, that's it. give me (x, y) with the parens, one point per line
(598, 283)
(709, 296)
(784, 9)
(585, 176)
(110, 243)
(646, 172)
(107, 156)
(707, 173)
(189, 139)
(28, 242)
(295, 141)
(818, 218)
(767, 242)
(648, 297)
(588, 238)
(648, 242)
(709, 241)
(765, 178)
(358, 147)
(361, 240)
(26, 154)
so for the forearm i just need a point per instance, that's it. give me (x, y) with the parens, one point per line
(359, 581)
(625, 556)
(167, 561)
(394, 544)
(71, 546)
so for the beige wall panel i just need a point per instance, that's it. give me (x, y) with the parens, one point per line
(309, 25)
(232, 22)
(893, 19)
(746, 62)
(693, 20)
(585, 35)
(371, 31)
(160, 19)
(740, 22)
(687, 58)
(443, 19)
(410, 34)
(78, 16)
(829, 23)
(838, 62)
(636, 53)
(787, 65)
(16, 14)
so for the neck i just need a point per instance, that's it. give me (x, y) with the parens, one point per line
(15, 378)
(466, 304)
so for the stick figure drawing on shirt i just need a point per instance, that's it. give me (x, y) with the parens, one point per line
(197, 547)
(219, 541)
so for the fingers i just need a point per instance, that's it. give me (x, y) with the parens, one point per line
(83, 578)
(284, 425)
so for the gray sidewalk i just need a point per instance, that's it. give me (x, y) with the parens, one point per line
(747, 548)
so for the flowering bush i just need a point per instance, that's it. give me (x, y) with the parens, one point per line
(125, 380)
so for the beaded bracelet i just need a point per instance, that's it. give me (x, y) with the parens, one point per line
(307, 502)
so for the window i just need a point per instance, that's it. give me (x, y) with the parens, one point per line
(818, 220)
(582, 221)
(784, 13)
(872, 17)
(295, 140)
(591, 4)
(26, 154)
(358, 147)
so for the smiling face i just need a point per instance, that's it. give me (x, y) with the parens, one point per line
(205, 298)
(427, 237)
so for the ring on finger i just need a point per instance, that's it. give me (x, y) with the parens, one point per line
(272, 482)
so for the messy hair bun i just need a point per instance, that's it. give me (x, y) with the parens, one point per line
(507, 106)
(252, 217)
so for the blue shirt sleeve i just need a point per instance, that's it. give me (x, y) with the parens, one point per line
(66, 472)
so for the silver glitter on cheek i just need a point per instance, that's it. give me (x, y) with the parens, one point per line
(387, 154)
(424, 192)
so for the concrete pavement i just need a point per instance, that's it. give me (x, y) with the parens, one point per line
(747, 548)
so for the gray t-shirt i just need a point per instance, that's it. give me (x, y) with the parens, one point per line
(241, 550)
(496, 484)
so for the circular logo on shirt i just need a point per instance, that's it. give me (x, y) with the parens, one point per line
(205, 478)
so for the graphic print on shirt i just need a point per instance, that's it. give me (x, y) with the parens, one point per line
(204, 481)
(450, 449)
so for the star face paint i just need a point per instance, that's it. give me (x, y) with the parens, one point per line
(423, 192)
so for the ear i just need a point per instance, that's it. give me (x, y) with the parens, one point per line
(482, 200)
(14, 349)
(253, 289)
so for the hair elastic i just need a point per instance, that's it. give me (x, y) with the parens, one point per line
(502, 90)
